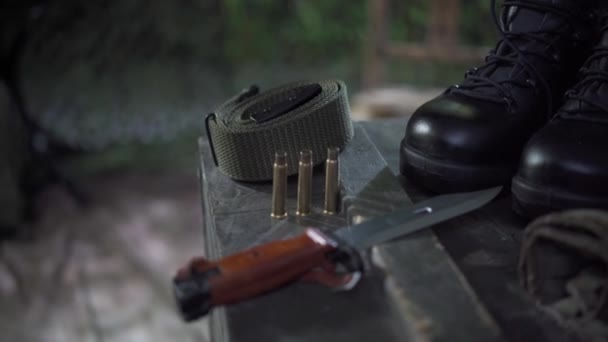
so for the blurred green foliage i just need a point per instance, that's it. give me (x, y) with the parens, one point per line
(333, 32)
(293, 31)
(100, 72)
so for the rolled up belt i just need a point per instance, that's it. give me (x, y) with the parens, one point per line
(245, 132)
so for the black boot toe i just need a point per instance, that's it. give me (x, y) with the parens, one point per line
(459, 144)
(471, 136)
(564, 166)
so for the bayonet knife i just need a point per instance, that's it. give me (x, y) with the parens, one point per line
(331, 258)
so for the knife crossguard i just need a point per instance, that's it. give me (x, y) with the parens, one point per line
(313, 256)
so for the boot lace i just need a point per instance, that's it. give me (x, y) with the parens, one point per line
(516, 57)
(590, 75)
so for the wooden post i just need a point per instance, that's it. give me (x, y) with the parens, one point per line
(442, 40)
(374, 56)
(442, 28)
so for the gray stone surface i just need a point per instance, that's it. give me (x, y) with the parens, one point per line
(103, 273)
(389, 102)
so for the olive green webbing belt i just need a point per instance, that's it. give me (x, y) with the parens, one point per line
(245, 132)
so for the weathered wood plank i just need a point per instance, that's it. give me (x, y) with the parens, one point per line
(238, 217)
(434, 298)
(485, 246)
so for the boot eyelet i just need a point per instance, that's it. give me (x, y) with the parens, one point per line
(509, 103)
(531, 82)
(470, 72)
(556, 57)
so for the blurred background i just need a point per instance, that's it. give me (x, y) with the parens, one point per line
(101, 103)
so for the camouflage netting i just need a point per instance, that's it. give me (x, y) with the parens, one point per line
(102, 72)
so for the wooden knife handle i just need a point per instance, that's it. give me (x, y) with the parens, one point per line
(203, 284)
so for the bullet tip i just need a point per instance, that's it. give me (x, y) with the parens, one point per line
(306, 156)
(280, 158)
(332, 153)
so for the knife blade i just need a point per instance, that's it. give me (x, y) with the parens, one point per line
(413, 218)
(203, 284)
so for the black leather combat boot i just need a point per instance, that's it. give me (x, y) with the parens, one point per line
(565, 164)
(472, 135)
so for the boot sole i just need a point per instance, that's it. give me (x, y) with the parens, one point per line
(532, 201)
(447, 176)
